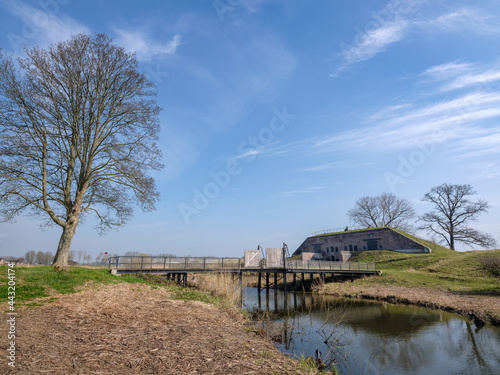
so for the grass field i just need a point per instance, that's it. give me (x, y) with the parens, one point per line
(42, 281)
(442, 268)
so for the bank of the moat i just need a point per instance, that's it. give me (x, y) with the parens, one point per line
(139, 329)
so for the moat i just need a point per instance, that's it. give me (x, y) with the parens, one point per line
(365, 337)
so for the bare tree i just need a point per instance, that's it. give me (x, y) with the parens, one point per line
(452, 212)
(385, 210)
(30, 257)
(81, 254)
(41, 258)
(78, 132)
(99, 258)
(49, 257)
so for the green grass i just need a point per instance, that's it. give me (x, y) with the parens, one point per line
(42, 281)
(460, 272)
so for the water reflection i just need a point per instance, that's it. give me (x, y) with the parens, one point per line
(378, 338)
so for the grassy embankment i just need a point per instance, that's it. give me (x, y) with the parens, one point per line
(443, 279)
(38, 285)
(459, 272)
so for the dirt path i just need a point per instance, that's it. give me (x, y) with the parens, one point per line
(135, 329)
(477, 307)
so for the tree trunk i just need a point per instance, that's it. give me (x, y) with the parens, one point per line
(62, 256)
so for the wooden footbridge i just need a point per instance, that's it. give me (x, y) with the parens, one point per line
(275, 263)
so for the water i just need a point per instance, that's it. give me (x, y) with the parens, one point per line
(365, 337)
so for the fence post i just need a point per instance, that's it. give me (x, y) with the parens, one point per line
(204, 262)
(185, 263)
(164, 262)
(142, 261)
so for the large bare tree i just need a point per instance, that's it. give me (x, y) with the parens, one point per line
(78, 132)
(452, 212)
(385, 210)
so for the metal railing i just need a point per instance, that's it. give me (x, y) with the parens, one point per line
(167, 263)
(324, 265)
(336, 230)
(134, 263)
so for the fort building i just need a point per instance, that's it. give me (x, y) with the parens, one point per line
(339, 246)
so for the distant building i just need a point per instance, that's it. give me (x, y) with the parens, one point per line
(339, 246)
(5, 260)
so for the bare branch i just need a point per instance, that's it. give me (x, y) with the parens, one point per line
(381, 211)
(78, 133)
(452, 212)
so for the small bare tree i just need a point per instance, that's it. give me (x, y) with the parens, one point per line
(81, 255)
(30, 257)
(452, 212)
(385, 210)
(78, 132)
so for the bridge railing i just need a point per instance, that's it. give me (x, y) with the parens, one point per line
(213, 264)
(170, 263)
(295, 264)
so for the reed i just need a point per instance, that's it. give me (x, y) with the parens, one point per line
(222, 284)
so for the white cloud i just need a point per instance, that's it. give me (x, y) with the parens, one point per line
(145, 47)
(304, 190)
(372, 43)
(412, 19)
(455, 119)
(40, 27)
(454, 76)
(462, 21)
(322, 167)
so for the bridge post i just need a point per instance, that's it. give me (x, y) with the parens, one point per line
(267, 282)
(184, 284)
(259, 283)
(275, 281)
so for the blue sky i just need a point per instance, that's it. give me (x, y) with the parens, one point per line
(279, 115)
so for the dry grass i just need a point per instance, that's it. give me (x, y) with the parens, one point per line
(138, 329)
(223, 285)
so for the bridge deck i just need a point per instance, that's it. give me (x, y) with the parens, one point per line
(202, 265)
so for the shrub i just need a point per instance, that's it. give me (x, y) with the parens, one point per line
(490, 263)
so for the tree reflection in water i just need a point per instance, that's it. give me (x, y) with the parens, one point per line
(365, 337)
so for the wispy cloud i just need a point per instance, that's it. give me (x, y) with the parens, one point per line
(372, 43)
(145, 47)
(301, 191)
(463, 21)
(322, 167)
(411, 19)
(43, 28)
(486, 170)
(486, 144)
(402, 127)
(454, 76)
